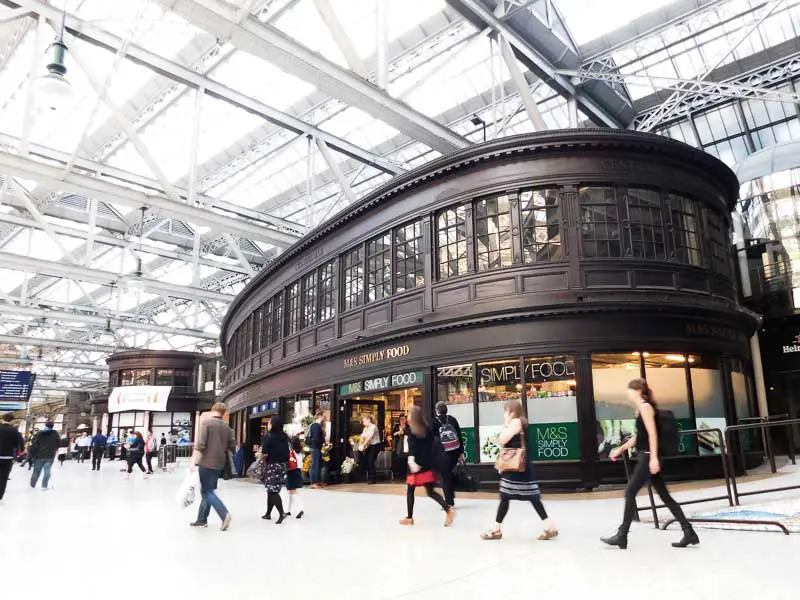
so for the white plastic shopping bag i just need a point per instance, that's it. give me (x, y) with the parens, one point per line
(189, 490)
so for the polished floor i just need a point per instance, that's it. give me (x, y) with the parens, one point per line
(98, 534)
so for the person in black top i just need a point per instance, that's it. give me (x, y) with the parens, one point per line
(43, 452)
(11, 443)
(98, 447)
(450, 458)
(316, 439)
(647, 467)
(136, 454)
(421, 465)
(275, 454)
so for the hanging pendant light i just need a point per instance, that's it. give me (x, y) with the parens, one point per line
(53, 90)
(135, 282)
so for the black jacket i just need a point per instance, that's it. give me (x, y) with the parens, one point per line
(11, 441)
(275, 448)
(422, 449)
(45, 444)
(316, 437)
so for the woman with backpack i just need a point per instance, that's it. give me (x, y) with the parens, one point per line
(136, 453)
(648, 467)
(421, 458)
(519, 483)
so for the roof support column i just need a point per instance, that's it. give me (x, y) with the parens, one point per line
(198, 108)
(327, 154)
(382, 43)
(340, 36)
(522, 86)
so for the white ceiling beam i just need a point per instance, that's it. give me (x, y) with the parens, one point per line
(330, 159)
(534, 114)
(52, 177)
(97, 37)
(101, 321)
(106, 278)
(340, 37)
(20, 340)
(272, 45)
(26, 363)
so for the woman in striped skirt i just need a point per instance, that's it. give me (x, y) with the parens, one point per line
(521, 485)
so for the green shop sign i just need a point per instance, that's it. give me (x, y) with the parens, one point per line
(381, 383)
(468, 439)
(554, 441)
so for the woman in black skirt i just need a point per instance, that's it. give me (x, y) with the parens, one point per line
(275, 452)
(522, 485)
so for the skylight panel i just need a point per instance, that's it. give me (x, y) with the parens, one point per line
(590, 19)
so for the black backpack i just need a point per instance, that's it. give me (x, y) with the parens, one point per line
(448, 436)
(669, 435)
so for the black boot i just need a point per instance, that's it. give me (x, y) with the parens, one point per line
(619, 539)
(689, 538)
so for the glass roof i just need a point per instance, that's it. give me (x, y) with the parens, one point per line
(257, 171)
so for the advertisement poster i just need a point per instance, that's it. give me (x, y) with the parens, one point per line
(139, 397)
(468, 439)
(554, 441)
(613, 433)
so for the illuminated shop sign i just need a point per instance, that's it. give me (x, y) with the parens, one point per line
(793, 347)
(265, 407)
(535, 372)
(381, 355)
(383, 382)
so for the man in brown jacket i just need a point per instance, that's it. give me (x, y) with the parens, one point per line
(214, 440)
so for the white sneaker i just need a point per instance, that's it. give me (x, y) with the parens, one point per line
(47, 489)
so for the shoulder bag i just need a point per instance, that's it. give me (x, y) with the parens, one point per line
(512, 460)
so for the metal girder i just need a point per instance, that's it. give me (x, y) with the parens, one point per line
(87, 32)
(25, 362)
(52, 177)
(107, 278)
(534, 114)
(340, 37)
(20, 340)
(330, 159)
(272, 45)
(102, 321)
(541, 65)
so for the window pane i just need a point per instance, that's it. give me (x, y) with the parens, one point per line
(552, 408)
(451, 226)
(541, 226)
(666, 376)
(266, 324)
(354, 278)
(499, 382)
(379, 267)
(409, 257)
(646, 225)
(293, 301)
(164, 376)
(327, 291)
(709, 404)
(309, 310)
(600, 232)
(277, 317)
(685, 239)
(720, 242)
(493, 232)
(611, 374)
(454, 386)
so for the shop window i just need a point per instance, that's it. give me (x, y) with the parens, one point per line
(645, 222)
(322, 401)
(719, 241)
(541, 226)
(493, 232)
(266, 324)
(309, 308)
(135, 377)
(301, 416)
(258, 326)
(247, 338)
(409, 257)
(277, 317)
(353, 278)
(293, 299)
(183, 378)
(499, 382)
(113, 379)
(709, 400)
(683, 221)
(454, 385)
(164, 376)
(611, 374)
(740, 384)
(552, 408)
(600, 231)
(666, 376)
(327, 291)
(451, 228)
(379, 267)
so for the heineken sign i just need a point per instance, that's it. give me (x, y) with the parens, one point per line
(381, 383)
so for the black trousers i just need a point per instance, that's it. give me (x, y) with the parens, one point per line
(448, 478)
(134, 458)
(150, 456)
(97, 457)
(639, 478)
(5, 471)
(82, 453)
(432, 494)
(370, 456)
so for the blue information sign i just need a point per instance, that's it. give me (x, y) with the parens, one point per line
(15, 386)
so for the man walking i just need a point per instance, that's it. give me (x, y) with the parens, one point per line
(43, 452)
(449, 433)
(98, 446)
(214, 440)
(11, 443)
(84, 443)
(316, 439)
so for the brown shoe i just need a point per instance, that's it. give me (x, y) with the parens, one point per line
(547, 534)
(406, 521)
(494, 534)
(450, 517)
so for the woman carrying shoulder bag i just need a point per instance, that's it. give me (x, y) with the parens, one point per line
(275, 454)
(517, 480)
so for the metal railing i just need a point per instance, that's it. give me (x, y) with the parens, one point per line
(174, 455)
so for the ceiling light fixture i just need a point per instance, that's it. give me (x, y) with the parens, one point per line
(136, 282)
(53, 90)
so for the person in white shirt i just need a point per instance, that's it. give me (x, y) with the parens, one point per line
(83, 446)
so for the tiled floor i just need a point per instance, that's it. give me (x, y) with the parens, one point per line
(96, 534)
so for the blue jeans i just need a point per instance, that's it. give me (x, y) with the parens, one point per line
(208, 485)
(316, 465)
(40, 464)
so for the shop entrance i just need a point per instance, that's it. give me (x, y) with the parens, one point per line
(387, 408)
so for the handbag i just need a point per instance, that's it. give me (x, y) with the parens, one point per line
(512, 460)
(257, 469)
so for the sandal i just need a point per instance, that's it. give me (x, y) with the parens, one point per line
(406, 521)
(494, 534)
(449, 517)
(547, 534)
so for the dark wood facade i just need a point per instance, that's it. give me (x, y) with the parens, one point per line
(558, 243)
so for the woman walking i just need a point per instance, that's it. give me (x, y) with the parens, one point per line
(275, 454)
(136, 454)
(294, 478)
(647, 467)
(420, 466)
(369, 445)
(518, 485)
